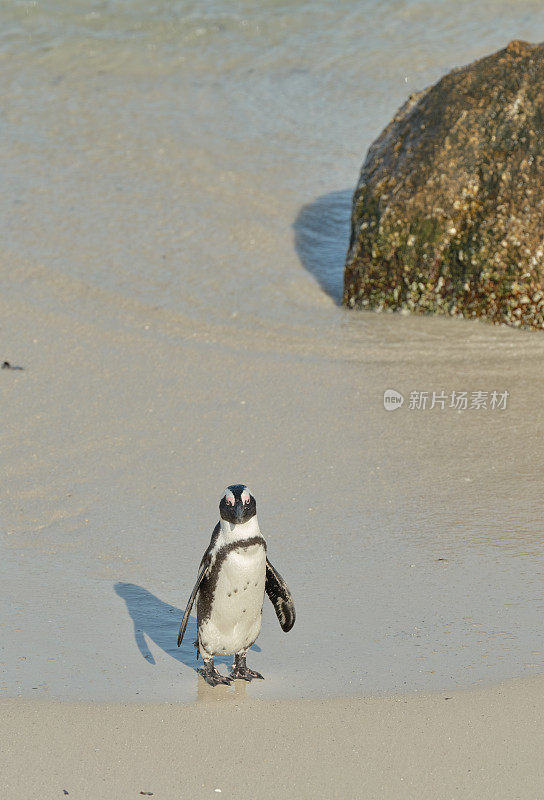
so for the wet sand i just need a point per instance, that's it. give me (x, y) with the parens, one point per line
(411, 540)
(473, 745)
(423, 530)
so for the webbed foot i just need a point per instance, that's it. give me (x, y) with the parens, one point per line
(212, 676)
(241, 670)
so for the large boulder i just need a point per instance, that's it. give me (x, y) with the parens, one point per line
(448, 214)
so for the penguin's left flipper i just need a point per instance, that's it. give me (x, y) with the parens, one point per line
(201, 576)
(279, 594)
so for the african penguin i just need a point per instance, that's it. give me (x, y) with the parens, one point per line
(233, 576)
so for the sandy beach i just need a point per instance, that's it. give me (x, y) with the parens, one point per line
(174, 225)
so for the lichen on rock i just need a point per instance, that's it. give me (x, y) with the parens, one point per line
(448, 212)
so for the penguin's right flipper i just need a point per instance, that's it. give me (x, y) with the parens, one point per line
(202, 572)
(201, 576)
(281, 598)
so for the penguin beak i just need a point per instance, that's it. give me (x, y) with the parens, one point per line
(239, 510)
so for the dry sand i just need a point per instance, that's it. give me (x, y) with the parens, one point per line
(462, 745)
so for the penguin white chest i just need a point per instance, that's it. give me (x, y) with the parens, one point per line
(234, 620)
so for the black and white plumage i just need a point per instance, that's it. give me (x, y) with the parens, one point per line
(233, 576)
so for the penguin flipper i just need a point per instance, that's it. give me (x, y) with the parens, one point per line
(201, 575)
(202, 572)
(281, 598)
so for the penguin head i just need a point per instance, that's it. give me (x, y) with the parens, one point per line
(237, 504)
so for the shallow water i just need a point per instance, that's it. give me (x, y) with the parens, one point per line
(177, 184)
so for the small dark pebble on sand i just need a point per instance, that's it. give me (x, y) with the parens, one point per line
(7, 365)
(65, 791)
(149, 793)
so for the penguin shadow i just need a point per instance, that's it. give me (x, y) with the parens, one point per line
(322, 231)
(159, 622)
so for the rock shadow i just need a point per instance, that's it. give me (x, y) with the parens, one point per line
(322, 231)
(159, 622)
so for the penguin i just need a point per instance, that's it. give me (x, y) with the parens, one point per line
(233, 576)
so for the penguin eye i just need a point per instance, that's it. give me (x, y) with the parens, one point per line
(230, 503)
(246, 501)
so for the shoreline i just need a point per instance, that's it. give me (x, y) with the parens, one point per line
(484, 743)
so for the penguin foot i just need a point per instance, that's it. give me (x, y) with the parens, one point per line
(246, 674)
(241, 670)
(212, 676)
